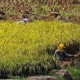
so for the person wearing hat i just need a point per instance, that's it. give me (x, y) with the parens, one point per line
(62, 58)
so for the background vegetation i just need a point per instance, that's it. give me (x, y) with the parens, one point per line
(69, 10)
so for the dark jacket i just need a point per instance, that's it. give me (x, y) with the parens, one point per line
(62, 55)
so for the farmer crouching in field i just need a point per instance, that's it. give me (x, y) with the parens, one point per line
(24, 20)
(62, 58)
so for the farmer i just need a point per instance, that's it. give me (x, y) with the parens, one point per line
(62, 58)
(24, 20)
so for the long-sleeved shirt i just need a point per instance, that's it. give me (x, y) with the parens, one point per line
(62, 55)
(25, 20)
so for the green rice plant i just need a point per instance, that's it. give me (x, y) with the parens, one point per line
(23, 47)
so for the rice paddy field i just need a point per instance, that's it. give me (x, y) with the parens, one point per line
(27, 49)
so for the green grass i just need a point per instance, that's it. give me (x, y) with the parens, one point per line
(75, 72)
(23, 47)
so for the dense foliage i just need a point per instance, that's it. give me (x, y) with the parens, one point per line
(69, 10)
(24, 48)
